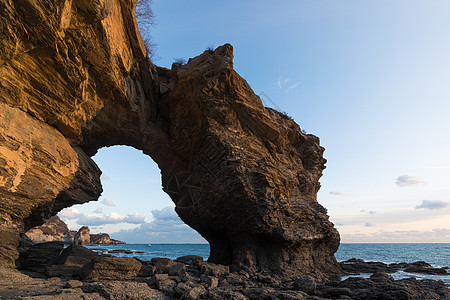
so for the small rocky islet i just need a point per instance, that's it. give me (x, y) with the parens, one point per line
(76, 77)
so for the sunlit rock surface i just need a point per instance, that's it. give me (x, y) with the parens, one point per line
(74, 77)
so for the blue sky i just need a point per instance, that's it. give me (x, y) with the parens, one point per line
(370, 78)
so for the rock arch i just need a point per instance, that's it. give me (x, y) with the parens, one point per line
(242, 175)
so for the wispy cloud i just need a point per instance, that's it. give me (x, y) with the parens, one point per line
(99, 210)
(285, 84)
(337, 193)
(436, 235)
(108, 202)
(369, 225)
(432, 204)
(408, 180)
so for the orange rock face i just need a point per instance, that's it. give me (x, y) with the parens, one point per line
(242, 175)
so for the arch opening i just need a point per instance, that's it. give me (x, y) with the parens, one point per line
(132, 207)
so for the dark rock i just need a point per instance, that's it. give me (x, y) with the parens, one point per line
(306, 284)
(63, 271)
(162, 264)
(210, 282)
(178, 269)
(211, 269)
(153, 281)
(39, 256)
(167, 286)
(426, 270)
(76, 255)
(111, 268)
(189, 259)
(147, 271)
(359, 266)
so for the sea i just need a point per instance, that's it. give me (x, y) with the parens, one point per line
(438, 255)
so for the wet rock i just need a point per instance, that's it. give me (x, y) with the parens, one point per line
(426, 270)
(359, 266)
(111, 268)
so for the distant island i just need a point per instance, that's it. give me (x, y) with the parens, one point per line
(55, 230)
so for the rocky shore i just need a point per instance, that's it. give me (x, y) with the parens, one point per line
(48, 271)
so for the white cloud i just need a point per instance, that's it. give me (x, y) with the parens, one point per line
(69, 213)
(108, 202)
(432, 204)
(166, 227)
(104, 177)
(134, 219)
(372, 212)
(408, 180)
(167, 213)
(369, 225)
(337, 193)
(96, 220)
(99, 210)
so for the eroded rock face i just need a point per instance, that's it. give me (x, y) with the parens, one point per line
(74, 78)
(53, 230)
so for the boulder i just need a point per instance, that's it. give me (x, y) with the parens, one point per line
(111, 268)
(76, 255)
(39, 256)
(190, 259)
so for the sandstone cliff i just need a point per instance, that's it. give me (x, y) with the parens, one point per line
(74, 77)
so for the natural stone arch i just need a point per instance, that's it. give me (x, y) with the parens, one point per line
(245, 177)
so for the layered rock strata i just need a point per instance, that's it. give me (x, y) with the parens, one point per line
(74, 77)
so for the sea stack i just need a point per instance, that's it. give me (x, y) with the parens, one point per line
(75, 77)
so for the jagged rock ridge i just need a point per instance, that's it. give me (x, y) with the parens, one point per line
(75, 78)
